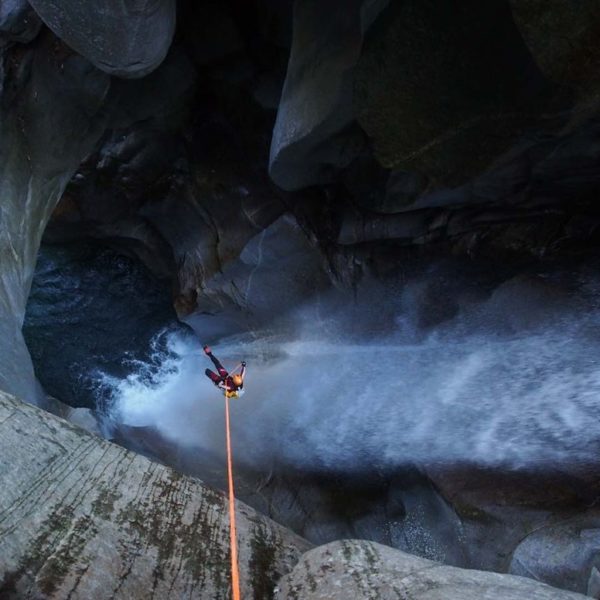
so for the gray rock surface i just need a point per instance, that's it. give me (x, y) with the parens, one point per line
(51, 115)
(387, 67)
(18, 22)
(131, 165)
(83, 518)
(313, 136)
(365, 570)
(276, 272)
(127, 38)
(566, 554)
(177, 181)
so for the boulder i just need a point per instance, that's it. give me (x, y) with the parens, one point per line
(277, 271)
(83, 518)
(359, 569)
(540, 524)
(566, 554)
(125, 38)
(314, 136)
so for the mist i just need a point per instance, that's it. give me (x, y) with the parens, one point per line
(503, 378)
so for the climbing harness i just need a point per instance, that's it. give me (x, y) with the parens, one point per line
(231, 393)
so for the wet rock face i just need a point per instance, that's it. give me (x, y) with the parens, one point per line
(565, 554)
(127, 39)
(537, 523)
(404, 511)
(358, 569)
(86, 519)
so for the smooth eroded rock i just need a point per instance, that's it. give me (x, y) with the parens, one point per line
(566, 554)
(359, 569)
(277, 271)
(83, 518)
(127, 38)
(313, 136)
(51, 115)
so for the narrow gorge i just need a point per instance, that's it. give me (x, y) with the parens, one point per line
(388, 209)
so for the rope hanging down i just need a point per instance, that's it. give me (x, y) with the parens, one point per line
(235, 575)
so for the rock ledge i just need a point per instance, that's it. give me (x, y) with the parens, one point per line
(83, 518)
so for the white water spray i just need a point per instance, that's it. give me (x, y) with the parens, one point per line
(521, 400)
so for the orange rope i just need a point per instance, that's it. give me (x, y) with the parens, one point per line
(235, 575)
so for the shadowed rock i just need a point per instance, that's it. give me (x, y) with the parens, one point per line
(18, 22)
(566, 554)
(313, 136)
(562, 37)
(276, 271)
(444, 87)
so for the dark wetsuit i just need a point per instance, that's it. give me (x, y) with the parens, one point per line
(222, 378)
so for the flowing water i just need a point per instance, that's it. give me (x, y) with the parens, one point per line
(510, 381)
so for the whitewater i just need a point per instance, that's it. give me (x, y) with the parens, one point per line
(322, 397)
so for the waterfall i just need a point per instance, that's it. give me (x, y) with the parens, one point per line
(510, 381)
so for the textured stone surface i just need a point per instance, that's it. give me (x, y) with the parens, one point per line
(179, 180)
(357, 569)
(565, 554)
(51, 115)
(83, 518)
(444, 87)
(538, 198)
(127, 38)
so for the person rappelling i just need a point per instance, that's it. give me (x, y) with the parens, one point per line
(232, 385)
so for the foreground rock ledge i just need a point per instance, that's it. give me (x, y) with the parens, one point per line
(366, 570)
(81, 518)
